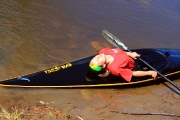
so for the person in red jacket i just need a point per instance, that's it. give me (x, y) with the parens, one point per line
(118, 63)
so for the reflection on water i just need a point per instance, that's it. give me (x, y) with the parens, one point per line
(104, 95)
(145, 3)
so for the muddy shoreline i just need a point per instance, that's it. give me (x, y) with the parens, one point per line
(93, 104)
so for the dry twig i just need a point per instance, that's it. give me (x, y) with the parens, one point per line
(163, 114)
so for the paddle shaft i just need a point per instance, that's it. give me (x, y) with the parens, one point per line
(158, 73)
(118, 43)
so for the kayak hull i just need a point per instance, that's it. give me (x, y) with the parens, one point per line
(76, 73)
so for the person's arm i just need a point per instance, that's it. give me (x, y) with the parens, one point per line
(134, 55)
(145, 73)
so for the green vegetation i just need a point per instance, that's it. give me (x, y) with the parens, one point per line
(14, 115)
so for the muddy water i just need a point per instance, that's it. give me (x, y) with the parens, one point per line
(36, 35)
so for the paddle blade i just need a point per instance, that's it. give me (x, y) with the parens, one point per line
(113, 40)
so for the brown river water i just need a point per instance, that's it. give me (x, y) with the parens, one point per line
(36, 35)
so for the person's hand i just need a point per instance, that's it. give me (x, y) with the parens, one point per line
(134, 55)
(154, 74)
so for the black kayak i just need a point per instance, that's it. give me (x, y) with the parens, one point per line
(78, 73)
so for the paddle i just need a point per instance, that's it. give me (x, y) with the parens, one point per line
(117, 43)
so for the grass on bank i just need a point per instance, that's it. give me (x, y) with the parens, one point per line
(34, 111)
(14, 115)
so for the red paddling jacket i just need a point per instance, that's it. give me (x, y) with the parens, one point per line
(122, 64)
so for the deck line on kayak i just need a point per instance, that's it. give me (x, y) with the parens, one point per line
(80, 86)
(46, 68)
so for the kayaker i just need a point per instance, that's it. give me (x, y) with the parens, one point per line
(118, 63)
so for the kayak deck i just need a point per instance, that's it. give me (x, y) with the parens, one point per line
(78, 74)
